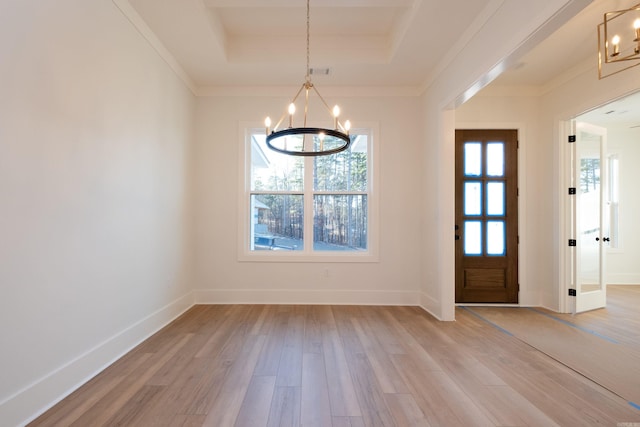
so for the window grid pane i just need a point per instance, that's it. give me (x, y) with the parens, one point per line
(344, 171)
(273, 171)
(340, 222)
(277, 222)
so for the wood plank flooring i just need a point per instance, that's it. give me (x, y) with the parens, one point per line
(580, 349)
(619, 321)
(604, 345)
(255, 365)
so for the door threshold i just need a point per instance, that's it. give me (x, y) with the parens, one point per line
(486, 304)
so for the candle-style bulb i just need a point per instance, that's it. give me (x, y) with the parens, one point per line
(267, 124)
(336, 113)
(292, 110)
(347, 126)
(616, 45)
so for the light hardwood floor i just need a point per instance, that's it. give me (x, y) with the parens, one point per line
(603, 345)
(253, 365)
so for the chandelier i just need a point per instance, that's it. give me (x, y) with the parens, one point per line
(619, 41)
(308, 141)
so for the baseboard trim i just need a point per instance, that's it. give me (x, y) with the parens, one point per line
(623, 279)
(305, 297)
(19, 409)
(430, 305)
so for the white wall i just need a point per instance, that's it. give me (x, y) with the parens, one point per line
(95, 217)
(622, 263)
(221, 277)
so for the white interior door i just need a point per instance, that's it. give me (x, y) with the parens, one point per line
(591, 217)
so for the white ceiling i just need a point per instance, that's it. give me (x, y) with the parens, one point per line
(364, 43)
(222, 43)
(621, 113)
(574, 46)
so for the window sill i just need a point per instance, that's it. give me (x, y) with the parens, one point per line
(274, 256)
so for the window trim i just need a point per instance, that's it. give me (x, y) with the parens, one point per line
(246, 129)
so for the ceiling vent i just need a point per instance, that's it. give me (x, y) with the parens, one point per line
(320, 71)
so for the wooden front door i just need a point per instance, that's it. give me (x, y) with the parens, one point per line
(486, 216)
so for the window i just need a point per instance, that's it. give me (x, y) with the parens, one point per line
(307, 208)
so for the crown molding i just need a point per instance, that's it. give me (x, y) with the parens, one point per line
(332, 91)
(590, 64)
(138, 23)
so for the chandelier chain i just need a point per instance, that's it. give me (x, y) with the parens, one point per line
(308, 50)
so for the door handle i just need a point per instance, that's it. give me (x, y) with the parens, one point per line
(597, 239)
(606, 239)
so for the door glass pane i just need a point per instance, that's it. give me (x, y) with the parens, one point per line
(472, 159)
(495, 237)
(472, 238)
(495, 198)
(472, 198)
(589, 200)
(495, 159)
(613, 202)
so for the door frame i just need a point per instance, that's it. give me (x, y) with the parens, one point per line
(526, 295)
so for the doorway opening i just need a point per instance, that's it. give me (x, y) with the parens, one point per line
(607, 255)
